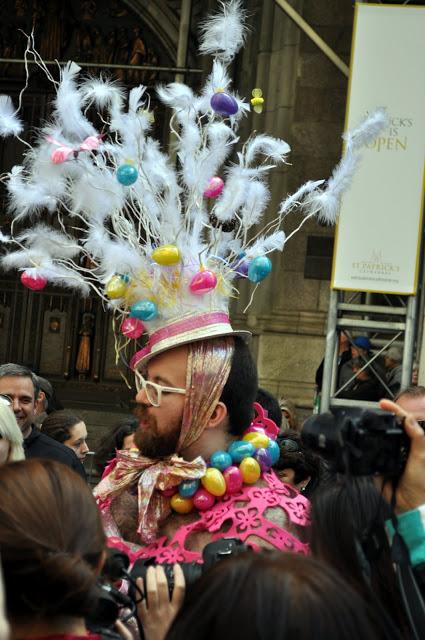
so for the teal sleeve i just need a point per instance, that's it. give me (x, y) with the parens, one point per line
(411, 526)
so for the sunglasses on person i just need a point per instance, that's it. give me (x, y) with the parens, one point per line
(154, 390)
(5, 400)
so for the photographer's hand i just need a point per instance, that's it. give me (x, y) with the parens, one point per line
(410, 492)
(157, 611)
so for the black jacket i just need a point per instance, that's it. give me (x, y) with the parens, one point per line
(38, 445)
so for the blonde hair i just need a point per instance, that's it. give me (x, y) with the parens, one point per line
(10, 431)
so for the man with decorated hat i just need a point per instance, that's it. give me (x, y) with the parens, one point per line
(164, 249)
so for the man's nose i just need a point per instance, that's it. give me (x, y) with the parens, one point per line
(16, 405)
(85, 448)
(142, 398)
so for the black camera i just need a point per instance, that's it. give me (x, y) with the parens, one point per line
(212, 553)
(358, 441)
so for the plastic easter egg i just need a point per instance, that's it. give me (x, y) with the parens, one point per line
(259, 440)
(274, 451)
(241, 269)
(264, 459)
(221, 460)
(259, 268)
(167, 492)
(203, 282)
(240, 450)
(127, 174)
(116, 288)
(254, 429)
(181, 505)
(188, 488)
(234, 479)
(213, 481)
(224, 104)
(125, 277)
(33, 282)
(215, 187)
(203, 500)
(166, 255)
(250, 470)
(144, 310)
(132, 328)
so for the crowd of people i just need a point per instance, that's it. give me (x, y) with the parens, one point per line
(312, 553)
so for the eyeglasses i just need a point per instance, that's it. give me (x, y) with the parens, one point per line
(153, 390)
(5, 400)
(421, 423)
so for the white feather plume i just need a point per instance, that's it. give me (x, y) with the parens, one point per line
(69, 106)
(10, 124)
(102, 92)
(224, 33)
(368, 129)
(265, 145)
(266, 244)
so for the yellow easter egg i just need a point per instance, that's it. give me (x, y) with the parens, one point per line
(166, 255)
(250, 470)
(116, 288)
(257, 439)
(214, 482)
(181, 505)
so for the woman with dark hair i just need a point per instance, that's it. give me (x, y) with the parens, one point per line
(271, 596)
(121, 437)
(68, 428)
(348, 533)
(297, 464)
(52, 548)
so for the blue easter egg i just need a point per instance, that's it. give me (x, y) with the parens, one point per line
(263, 458)
(274, 451)
(221, 460)
(144, 310)
(188, 488)
(259, 268)
(127, 174)
(241, 449)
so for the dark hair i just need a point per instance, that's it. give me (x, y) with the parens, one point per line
(51, 540)
(271, 596)
(58, 425)
(271, 404)
(347, 514)
(295, 455)
(114, 440)
(240, 390)
(414, 391)
(18, 370)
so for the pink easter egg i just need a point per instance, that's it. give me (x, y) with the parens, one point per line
(234, 479)
(33, 282)
(215, 187)
(203, 500)
(132, 328)
(203, 282)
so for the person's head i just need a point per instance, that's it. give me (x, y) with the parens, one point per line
(21, 385)
(273, 596)
(393, 357)
(415, 373)
(361, 347)
(270, 404)
(68, 428)
(212, 385)
(357, 365)
(297, 464)
(45, 393)
(11, 439)
(412, 400)
(343, 342)
(348, 514)
(289, 413)
(52, 542)
(120, 437)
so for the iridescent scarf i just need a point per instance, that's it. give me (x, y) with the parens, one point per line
(208, 369)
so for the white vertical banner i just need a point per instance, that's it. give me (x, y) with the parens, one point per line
(378, 235)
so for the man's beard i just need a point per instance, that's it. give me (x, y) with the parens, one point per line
(152, 444)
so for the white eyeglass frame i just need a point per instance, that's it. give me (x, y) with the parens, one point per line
(142, 383)
(6, 400)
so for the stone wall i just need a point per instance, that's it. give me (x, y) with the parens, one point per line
(305, 98)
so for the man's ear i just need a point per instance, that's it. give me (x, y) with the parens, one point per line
(219, 415)
(39, 402)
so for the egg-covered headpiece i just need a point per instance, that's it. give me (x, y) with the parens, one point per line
(164, 242)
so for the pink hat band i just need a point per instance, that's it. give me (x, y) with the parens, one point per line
(196, 327)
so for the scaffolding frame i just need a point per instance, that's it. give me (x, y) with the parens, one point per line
(396, 323)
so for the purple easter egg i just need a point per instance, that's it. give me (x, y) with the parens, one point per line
(264, 459)
(224, 104)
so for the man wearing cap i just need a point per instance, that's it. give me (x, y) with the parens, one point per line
(393, 364)
(195, 398)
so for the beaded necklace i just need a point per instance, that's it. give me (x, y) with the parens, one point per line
(227, 471)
